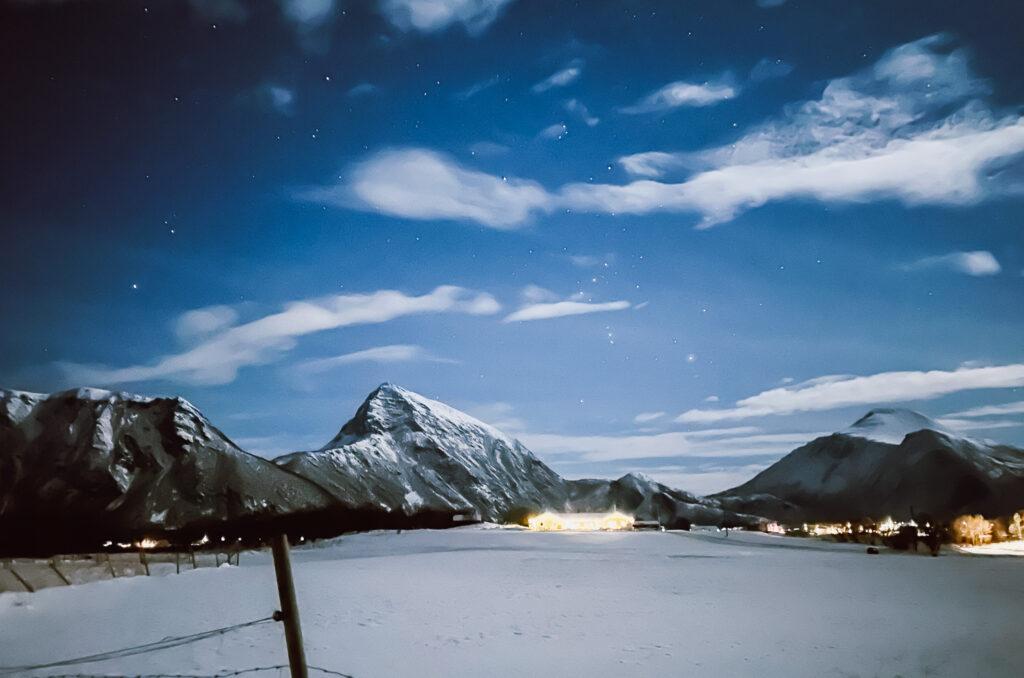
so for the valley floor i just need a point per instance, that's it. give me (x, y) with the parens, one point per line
(494, 602)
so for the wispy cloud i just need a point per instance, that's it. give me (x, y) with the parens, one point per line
(560, 78)
(650, 163)
(429, 16)
(592, 260)
(978, 424)
(277, 97)
(834, 391)
(217, 358)
(884, 133)
(991, 410)
(202, 322)
(392, 353)
(705, 478)
(647, 417)
(478, 87)
(683, 94)
(501, 415)
(362, 89)
(544, 307)
(308, 15)
(556, 131)
(422, 184)
(976, 263)
(725, 442)
(488, 148)
(579, 108)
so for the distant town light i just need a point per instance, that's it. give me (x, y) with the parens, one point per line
(580, 522)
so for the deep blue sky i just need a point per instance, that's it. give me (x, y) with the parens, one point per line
(839, 192)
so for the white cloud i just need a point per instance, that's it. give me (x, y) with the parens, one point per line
(203, 322)
(579, 108)
(217, 358)
(362, 89)
(650, 163)
(428, 16)
(592, 260)
(940, 167)
(421, 184)
(559, 309)
(478, 87)
(705, 479)
(834, 391)
(884, 133)
(645, 417)
(738, 441)
(488, 148)
(677, 94)
(392, 353)
(991, 410)
(976, 263)
(978, 424)
(711, 399)
(307, 14)
(533, 294)
(560, 78)
(555, 131)
(278, 97)
(500, 415)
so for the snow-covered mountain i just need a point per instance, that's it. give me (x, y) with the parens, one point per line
(79, 467)
(648, 499)
(89, 462)
(889, 462)
(405, 453)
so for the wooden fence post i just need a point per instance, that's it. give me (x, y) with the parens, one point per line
(289, 609)
(53, 566)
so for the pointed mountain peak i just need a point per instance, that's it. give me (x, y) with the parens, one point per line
(892, 424)
(391, 407)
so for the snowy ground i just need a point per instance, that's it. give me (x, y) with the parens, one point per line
(1006, 548)
(475, 602)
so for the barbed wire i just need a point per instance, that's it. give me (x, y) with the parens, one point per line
(166, 643)
(222, 674)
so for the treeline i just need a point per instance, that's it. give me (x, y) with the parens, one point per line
(976, 529)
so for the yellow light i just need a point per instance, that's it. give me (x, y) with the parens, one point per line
(579, 522)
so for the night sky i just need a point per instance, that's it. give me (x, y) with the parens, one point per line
(678, 237)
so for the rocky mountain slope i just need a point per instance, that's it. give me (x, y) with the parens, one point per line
(405, 453)
(80, 467)
(647, 499)
(88, 462)
(888, 462)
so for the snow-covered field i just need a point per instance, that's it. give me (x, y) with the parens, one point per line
(490, 602)
(1006, 548)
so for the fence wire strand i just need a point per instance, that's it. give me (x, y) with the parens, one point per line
(166, 643)
(221, 674)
